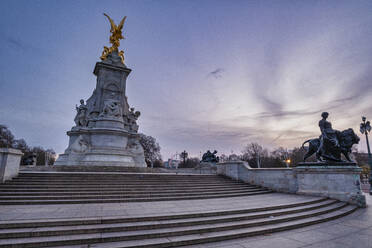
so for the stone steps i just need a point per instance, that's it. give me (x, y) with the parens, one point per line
(116, 188)
(113, 175)
(82, 183)
(26, 191)
(169, 230)
(127, 199)
(80, 188)
(143, 185)
(118, 182)
(105, 188)
(109, 220)
(120, 195)
(122, 175)
(127, 224)
(107, 178)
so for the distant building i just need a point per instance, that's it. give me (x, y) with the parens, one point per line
(172, 163)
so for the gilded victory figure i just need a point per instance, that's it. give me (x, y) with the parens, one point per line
(116, 36)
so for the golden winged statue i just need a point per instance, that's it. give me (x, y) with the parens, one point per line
(116, 36)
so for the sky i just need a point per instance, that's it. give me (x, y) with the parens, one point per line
(206, 74)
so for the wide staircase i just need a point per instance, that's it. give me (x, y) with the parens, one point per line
(257, 211)
(69, 188)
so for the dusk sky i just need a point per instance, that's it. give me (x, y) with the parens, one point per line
(206, 74)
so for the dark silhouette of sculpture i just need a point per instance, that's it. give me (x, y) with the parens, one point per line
(331, 143)
(30, 159)
(210, 157)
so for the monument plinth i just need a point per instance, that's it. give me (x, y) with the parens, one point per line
(338, 180)
(106, 131)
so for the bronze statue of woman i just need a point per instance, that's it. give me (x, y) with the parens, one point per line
(328, 138)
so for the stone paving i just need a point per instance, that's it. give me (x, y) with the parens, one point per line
(354, 230)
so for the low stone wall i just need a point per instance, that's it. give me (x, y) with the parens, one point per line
(278, 179)
(337, 182)
(10, 160)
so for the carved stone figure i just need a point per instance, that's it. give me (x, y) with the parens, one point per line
(210, 157)
(80, 145)
(81, 115)
(332, 143)
(134, 146)
(132, 119)
(111, 108)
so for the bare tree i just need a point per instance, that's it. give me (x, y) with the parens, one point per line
(189, 163)
(297, 156)
(254, 153)
(7, 140)
(223, 158)
(280, 153)
(6, 137)
(21, 145)
(280, 157)
(151, 148)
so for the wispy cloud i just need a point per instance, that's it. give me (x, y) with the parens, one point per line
(18, 44)
(216, 73)
(284, 114)
(15, 43)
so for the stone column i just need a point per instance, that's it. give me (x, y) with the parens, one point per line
(10, 160)
(338, 181)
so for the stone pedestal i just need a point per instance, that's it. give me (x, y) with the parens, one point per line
(335, 180)
(10, 160)
(339, 181)
(106, 130)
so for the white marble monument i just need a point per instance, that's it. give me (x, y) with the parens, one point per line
(106, 131)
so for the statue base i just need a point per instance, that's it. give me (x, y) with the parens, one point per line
(326, 164)
(102, 147)
(337, 180)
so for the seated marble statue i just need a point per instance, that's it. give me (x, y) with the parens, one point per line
(331, 143)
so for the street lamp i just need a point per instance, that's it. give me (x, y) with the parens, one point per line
(365, 128)
(287, 162)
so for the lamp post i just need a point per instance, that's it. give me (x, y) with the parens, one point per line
(287, 162)
(365, 128)
(184, 155)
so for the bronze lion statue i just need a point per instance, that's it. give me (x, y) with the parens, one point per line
(329, 151)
